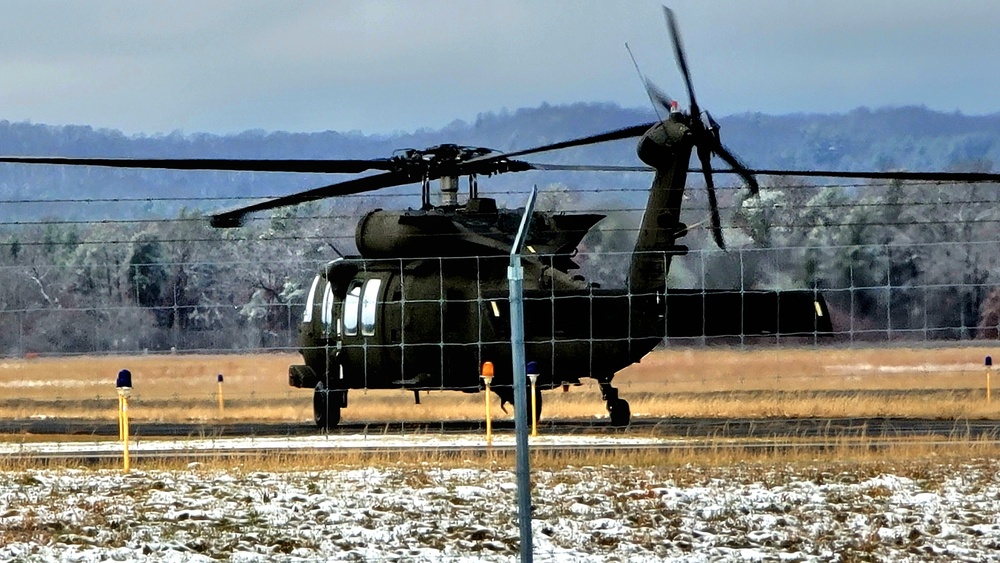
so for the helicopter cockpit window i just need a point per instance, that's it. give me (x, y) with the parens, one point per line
(326, 314)
(369, 301)
(307, 315)
(351, 309)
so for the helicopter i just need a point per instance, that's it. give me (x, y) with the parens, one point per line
(424, 303)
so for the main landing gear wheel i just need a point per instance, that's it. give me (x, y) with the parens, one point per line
(326, 406)
(618, 409)
(619, 412)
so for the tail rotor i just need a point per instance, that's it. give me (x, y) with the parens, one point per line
(706, 137)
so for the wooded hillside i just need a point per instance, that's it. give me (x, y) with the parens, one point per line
(100, 260)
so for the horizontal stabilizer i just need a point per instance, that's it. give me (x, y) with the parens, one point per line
(734, 313)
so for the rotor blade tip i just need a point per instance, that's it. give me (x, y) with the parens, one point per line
(226, 221)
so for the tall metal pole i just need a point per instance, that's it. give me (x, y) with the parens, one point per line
(515, 275)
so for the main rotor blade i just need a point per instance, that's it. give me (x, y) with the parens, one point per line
(625, 133)
(675, 36)
(314, 166)
(589, 167)
(969, 177)
(234, 218)
(749, 175)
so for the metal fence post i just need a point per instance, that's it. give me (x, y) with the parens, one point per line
(515, 276)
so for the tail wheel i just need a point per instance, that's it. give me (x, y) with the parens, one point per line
(326, 407)
(619, 412)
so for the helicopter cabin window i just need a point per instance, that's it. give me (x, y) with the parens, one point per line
(326, 314)
(369, 303)
(351, 309)
(307, 315)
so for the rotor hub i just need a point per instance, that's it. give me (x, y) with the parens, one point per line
(453, 161)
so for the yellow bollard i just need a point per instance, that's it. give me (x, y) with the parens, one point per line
(125, 458)
(532, 370)
(121, 421)
(222, 406)
(124, 387)
(487, 376)
(989, 374)
(534, 405)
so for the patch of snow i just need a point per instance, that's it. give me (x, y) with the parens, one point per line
(847, 369)
(469, 514)
(329, 441)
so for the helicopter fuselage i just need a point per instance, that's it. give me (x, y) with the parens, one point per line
(432, 323)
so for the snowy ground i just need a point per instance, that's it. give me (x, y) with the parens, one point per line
(919, 512)
(327, 442)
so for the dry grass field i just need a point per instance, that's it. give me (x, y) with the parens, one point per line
(709, 382)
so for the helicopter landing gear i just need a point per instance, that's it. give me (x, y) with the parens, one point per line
(326, 406)
(618, 410)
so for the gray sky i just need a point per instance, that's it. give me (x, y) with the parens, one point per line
(380, 66)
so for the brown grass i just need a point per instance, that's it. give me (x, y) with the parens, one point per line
(717, 382)
(848, 453)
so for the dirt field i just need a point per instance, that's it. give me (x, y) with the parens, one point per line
(717, 382)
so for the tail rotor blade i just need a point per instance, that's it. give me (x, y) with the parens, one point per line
(713, 128)
(707, 137)
(716, 220)
(712, 123)
(675, 36)
(705, 156)
(736, 165)
(658, 96)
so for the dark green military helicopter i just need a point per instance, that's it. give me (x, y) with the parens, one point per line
(425, 302)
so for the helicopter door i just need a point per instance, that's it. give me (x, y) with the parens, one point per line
(361, 337)
(307, 314)
(371, 332)
(330, 316)
(352, 362)
(369, 306)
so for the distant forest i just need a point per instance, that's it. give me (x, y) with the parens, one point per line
(99, 260)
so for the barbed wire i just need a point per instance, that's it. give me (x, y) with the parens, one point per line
(805, 207)
(692, 253)
(229, 240)
(503, 192)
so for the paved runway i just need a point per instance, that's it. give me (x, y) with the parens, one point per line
(659, 427)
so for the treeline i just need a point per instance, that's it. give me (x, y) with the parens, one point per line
(909, 138)
(102, 260)
(896, 261)
(128, 286)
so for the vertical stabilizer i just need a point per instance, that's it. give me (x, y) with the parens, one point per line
(667, 148)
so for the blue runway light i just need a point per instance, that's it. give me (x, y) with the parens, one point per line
(220, 378)
(124, 380)
(532, 368)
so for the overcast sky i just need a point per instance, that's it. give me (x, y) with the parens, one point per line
(379, 66)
